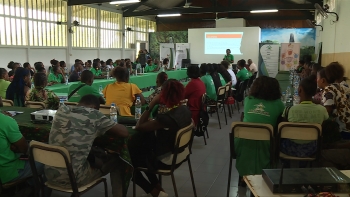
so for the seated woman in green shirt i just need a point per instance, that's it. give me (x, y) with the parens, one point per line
(208, 82)
(263, 105)
(150, 67)
(228, 57)
(243, 74)
(56, 76)
(96, 71)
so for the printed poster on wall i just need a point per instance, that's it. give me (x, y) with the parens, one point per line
(167, 50)
(290, 53)
(182, 52)
(268, 59)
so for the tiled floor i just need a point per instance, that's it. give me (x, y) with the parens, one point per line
(210, 164)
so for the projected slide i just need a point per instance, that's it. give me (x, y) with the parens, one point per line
(218, 42)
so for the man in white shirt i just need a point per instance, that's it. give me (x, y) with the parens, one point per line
(233, 76)
(252, 67)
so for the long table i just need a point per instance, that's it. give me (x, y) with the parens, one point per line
(40, 132)
(141, 80)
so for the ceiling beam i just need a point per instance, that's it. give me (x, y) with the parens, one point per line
(222, 9)
(133, 7)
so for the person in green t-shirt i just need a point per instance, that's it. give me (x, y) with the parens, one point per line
(87, 79)
(229, 57)
(243, 73)
(150, 67)
(305, 112)
(263, 105)
(208, 82)
(12, 143)
(4, 82)
(96, 70)
(56, 76)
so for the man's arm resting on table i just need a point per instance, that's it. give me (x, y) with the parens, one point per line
(118, 130)
(21, 146)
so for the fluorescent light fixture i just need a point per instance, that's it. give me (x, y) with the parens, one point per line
(168, 15)
(263, 11)
(124, 2)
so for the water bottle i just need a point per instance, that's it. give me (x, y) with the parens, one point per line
(66, 79)
(61, 102)
(113, 113)
(288, 92)
(100, 90)
(283, 97)
(296, 98)
(138, 106)
(107, 73)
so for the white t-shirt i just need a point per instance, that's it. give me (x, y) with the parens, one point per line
(233, 77)
(253, 68)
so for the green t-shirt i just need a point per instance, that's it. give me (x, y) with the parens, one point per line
(306, 112)
(150, 68)
(262, 111)
(3, 87)
(209, 86)
(229, 58)
(53, 78)
(9, 161)
(96, 72)
(223, 82)
(243, 74)
(85, 90)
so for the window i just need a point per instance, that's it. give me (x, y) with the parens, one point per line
(84, 35)
(129, 35)
(110, 33)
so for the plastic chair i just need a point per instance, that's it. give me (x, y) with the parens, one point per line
(250, 131)
(299, 131)
(35, 105)
(59, 157)
(7, 103)
(182, 142)
(219, 102)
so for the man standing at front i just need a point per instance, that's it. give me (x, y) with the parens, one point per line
(76, 128)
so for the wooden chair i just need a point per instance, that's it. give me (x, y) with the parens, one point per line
(71, 103)
(299, 131)
(105, 109)
(250, 131)
(7, 103)
(59, 157)
(182, 142)
(35, 105)
(220, 102)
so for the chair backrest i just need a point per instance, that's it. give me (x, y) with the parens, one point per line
(35, 105)
(252, 131)
(299, 131)
(71, 103)
(7, 103)
(105, 109)
(182, 141)
(221, 93)
(50, 155)
(251, 80)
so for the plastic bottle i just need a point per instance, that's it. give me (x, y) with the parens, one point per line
(113, 113)
(296, 98)
(61, 102)
(138, 108)
(100, 90)
(107, 73)
(288, 92)
(283, 97)
(66, 79)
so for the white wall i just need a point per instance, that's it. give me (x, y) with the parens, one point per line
(249, 48)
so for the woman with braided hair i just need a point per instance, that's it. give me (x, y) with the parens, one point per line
(19, 87)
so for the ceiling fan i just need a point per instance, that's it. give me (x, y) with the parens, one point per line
(188, 5)
(216, 18)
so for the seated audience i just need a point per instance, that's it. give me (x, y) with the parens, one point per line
(53, 64)
(4, 82)
(27, 66)
(96, 70)
(208, 82)
(40, 94)
(77, 61)
(63, 67)
(150, 67)
(224, 73)
(194, 91)
(229, 70)
(334, 95)
(217, 77)
(75, 75)
(263, 105)
(78, 90)
(19, 87)
(305, 112)
(86, 123)
(300, 67)
(161, 143)
(13, 66)
(121, 92)
(252, 67)
(318, 96)
(243, 73)
(39, 67)
(306, 71)
(109, 64)
(166, 64)
(161, 78)
(128, 65)
(56, 75)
